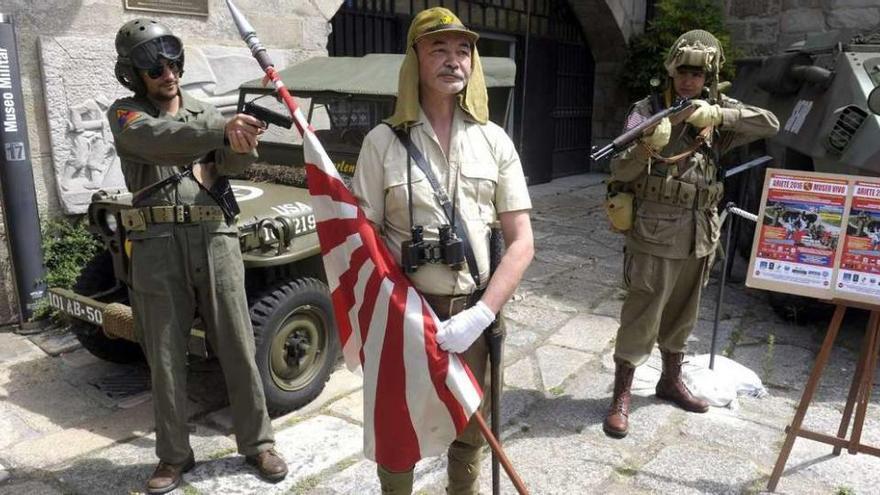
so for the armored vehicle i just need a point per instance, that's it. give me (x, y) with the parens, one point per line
(819, 89)
(290, 308)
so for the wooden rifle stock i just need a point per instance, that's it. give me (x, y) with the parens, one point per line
(624, 140)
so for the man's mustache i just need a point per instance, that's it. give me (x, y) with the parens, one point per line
(451, 74)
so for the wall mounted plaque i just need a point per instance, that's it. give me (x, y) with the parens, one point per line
(188, 7)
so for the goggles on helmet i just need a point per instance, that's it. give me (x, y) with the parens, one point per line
(149, 54)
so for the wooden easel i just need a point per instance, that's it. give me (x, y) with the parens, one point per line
(859, 393)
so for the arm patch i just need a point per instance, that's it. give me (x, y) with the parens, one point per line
(125, 117)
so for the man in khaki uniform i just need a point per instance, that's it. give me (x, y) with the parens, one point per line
(674, 178)
(443, 107)
(185, 257)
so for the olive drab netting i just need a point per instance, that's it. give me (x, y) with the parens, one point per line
(697, 48)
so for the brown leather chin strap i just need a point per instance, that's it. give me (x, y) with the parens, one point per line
(698, 141)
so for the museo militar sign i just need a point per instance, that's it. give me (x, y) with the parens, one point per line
(189, 7)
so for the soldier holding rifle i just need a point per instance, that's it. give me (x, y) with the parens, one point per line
(672, 226)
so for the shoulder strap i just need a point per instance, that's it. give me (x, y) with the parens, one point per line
(443, 199)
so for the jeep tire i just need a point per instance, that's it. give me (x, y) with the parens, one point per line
(296, 342)
(97, 277)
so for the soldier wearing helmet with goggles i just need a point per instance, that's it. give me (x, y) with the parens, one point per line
(185, 258)
(673, 178)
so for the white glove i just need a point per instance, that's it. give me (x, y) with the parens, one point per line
(660, 137)
(705, 115)
(459, 332)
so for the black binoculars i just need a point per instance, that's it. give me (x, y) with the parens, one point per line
(416, 251)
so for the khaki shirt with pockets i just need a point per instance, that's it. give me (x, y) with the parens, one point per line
(153, 145)
(482, 175)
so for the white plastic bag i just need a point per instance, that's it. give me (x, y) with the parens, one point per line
(720, 386)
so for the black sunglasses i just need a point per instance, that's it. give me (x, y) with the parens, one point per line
(156, 72)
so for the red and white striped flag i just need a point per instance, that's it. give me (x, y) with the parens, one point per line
(417, 397)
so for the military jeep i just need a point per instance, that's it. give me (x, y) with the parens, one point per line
(290, 308)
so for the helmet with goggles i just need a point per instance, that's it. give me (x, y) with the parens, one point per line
(145, 44)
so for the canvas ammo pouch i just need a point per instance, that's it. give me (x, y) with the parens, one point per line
(674, 192)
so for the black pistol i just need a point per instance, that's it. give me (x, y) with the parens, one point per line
(266, 115)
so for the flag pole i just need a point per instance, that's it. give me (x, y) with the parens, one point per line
(499, 452)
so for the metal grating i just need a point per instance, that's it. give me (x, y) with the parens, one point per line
(849, 121)
(122, 385)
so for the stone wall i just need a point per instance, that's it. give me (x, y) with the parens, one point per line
(608, 26)
(761, 27)
(71, 41)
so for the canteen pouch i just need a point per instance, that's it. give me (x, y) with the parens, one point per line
(619, 208)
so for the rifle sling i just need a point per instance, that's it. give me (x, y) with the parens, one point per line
(443, 199)
(700, 139)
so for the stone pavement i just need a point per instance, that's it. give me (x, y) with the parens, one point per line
(63, 430)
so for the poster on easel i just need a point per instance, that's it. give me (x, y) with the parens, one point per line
(797, 239)
(858, 277)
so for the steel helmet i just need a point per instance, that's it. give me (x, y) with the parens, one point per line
(142, 44)
(697, 48)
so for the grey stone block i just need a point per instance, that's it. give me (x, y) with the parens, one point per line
(566, 463)
(30, 488)
(13, 428)
(15, 348)
(309, 448)
(556, 364)
(585, 332)
(719, 471)
(55, 342)
(802, 20)
(860, 19)
(754, 8)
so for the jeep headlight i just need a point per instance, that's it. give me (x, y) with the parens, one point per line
(110, 221)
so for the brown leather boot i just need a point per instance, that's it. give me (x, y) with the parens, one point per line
(617, 420)
(671, 388)
(271, 466)
(167, 476)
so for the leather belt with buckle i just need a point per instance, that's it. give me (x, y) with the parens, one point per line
(446, 306)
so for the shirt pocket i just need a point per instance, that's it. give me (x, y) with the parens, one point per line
(656, 227)
(479, 181)
(397, 204)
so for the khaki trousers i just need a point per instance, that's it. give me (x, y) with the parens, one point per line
(175, 274)
(661, 306)
(465, 453)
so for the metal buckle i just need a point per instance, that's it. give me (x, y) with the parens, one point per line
(442, 197)
(457, 304)
(181, 214)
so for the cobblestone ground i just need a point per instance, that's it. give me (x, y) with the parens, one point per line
(61, 431)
